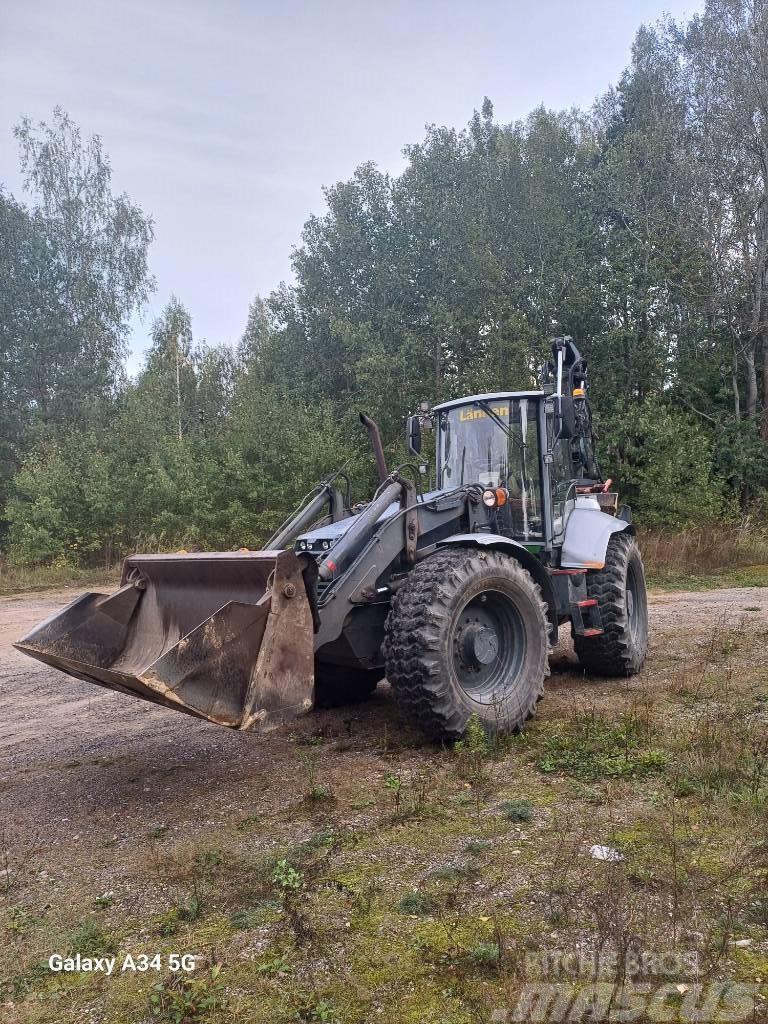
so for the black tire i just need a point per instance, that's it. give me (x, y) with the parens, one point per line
(623, 604)
(337, 685)
(467, 634)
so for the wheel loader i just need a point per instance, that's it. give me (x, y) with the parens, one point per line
(455, 593)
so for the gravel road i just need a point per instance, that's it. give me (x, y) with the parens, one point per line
(73, 755)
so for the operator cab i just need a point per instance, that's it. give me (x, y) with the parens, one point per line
(493, 440)
(533, 448)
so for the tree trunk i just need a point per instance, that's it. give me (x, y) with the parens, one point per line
(436, 354)
(764, 422)
(178, 385)
(751, 372)
(757, 325)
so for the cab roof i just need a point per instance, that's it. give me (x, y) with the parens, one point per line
(493, 397)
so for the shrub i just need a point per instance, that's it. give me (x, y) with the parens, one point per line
(416, 903)
(518, 810)
(662, 460)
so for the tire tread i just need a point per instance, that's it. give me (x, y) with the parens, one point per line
(612, 653)
(413, 632)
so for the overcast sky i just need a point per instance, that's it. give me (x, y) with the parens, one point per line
(225, 119)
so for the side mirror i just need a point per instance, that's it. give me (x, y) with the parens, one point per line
(565, 413)
(414, 435)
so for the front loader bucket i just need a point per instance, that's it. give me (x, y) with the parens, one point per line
(226, 637)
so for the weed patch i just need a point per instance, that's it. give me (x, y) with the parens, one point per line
(589, 748)
(417, 904)
(90, 939)
(184, 1000)
(518, 810)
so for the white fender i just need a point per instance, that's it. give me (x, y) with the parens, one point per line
(587, 533)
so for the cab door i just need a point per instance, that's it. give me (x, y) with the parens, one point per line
(561, 483)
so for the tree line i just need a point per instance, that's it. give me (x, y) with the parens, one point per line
(639, 227)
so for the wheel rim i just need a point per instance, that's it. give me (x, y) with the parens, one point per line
(634, 611)
(488, 641)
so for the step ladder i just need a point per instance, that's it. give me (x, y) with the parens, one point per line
(585, 617)
(585, 613)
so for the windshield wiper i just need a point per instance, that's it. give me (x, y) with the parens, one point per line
(504, 426)
(494, 416)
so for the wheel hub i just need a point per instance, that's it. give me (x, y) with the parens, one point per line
(479, 644)
(488, 646)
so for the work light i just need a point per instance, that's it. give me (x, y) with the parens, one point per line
(495, 498)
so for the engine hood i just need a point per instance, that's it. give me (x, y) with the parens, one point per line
(324, 537)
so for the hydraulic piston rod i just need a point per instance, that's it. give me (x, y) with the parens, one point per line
(359, 531)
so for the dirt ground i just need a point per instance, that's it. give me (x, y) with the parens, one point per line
(89, 778)
(127, 761)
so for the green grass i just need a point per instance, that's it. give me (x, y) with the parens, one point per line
(20, 579)
(677, 579)
(588, 747)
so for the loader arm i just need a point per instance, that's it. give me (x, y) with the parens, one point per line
(378, 561)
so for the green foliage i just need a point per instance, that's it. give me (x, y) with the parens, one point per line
(663, 460)
(485, 955)
(185, 910)
(472, 751)
(286, 878)
(63, 502)
(318, 794)
(73, 268)
(416, 904)
(90, 939)
(477, 846)
(518, 810)
(741, 457)
(241, 920)
(183, 1000)
(319, 1011)
(475, 738)
(275, 966)
(591, 748)
(394, 784)
(631, 227)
